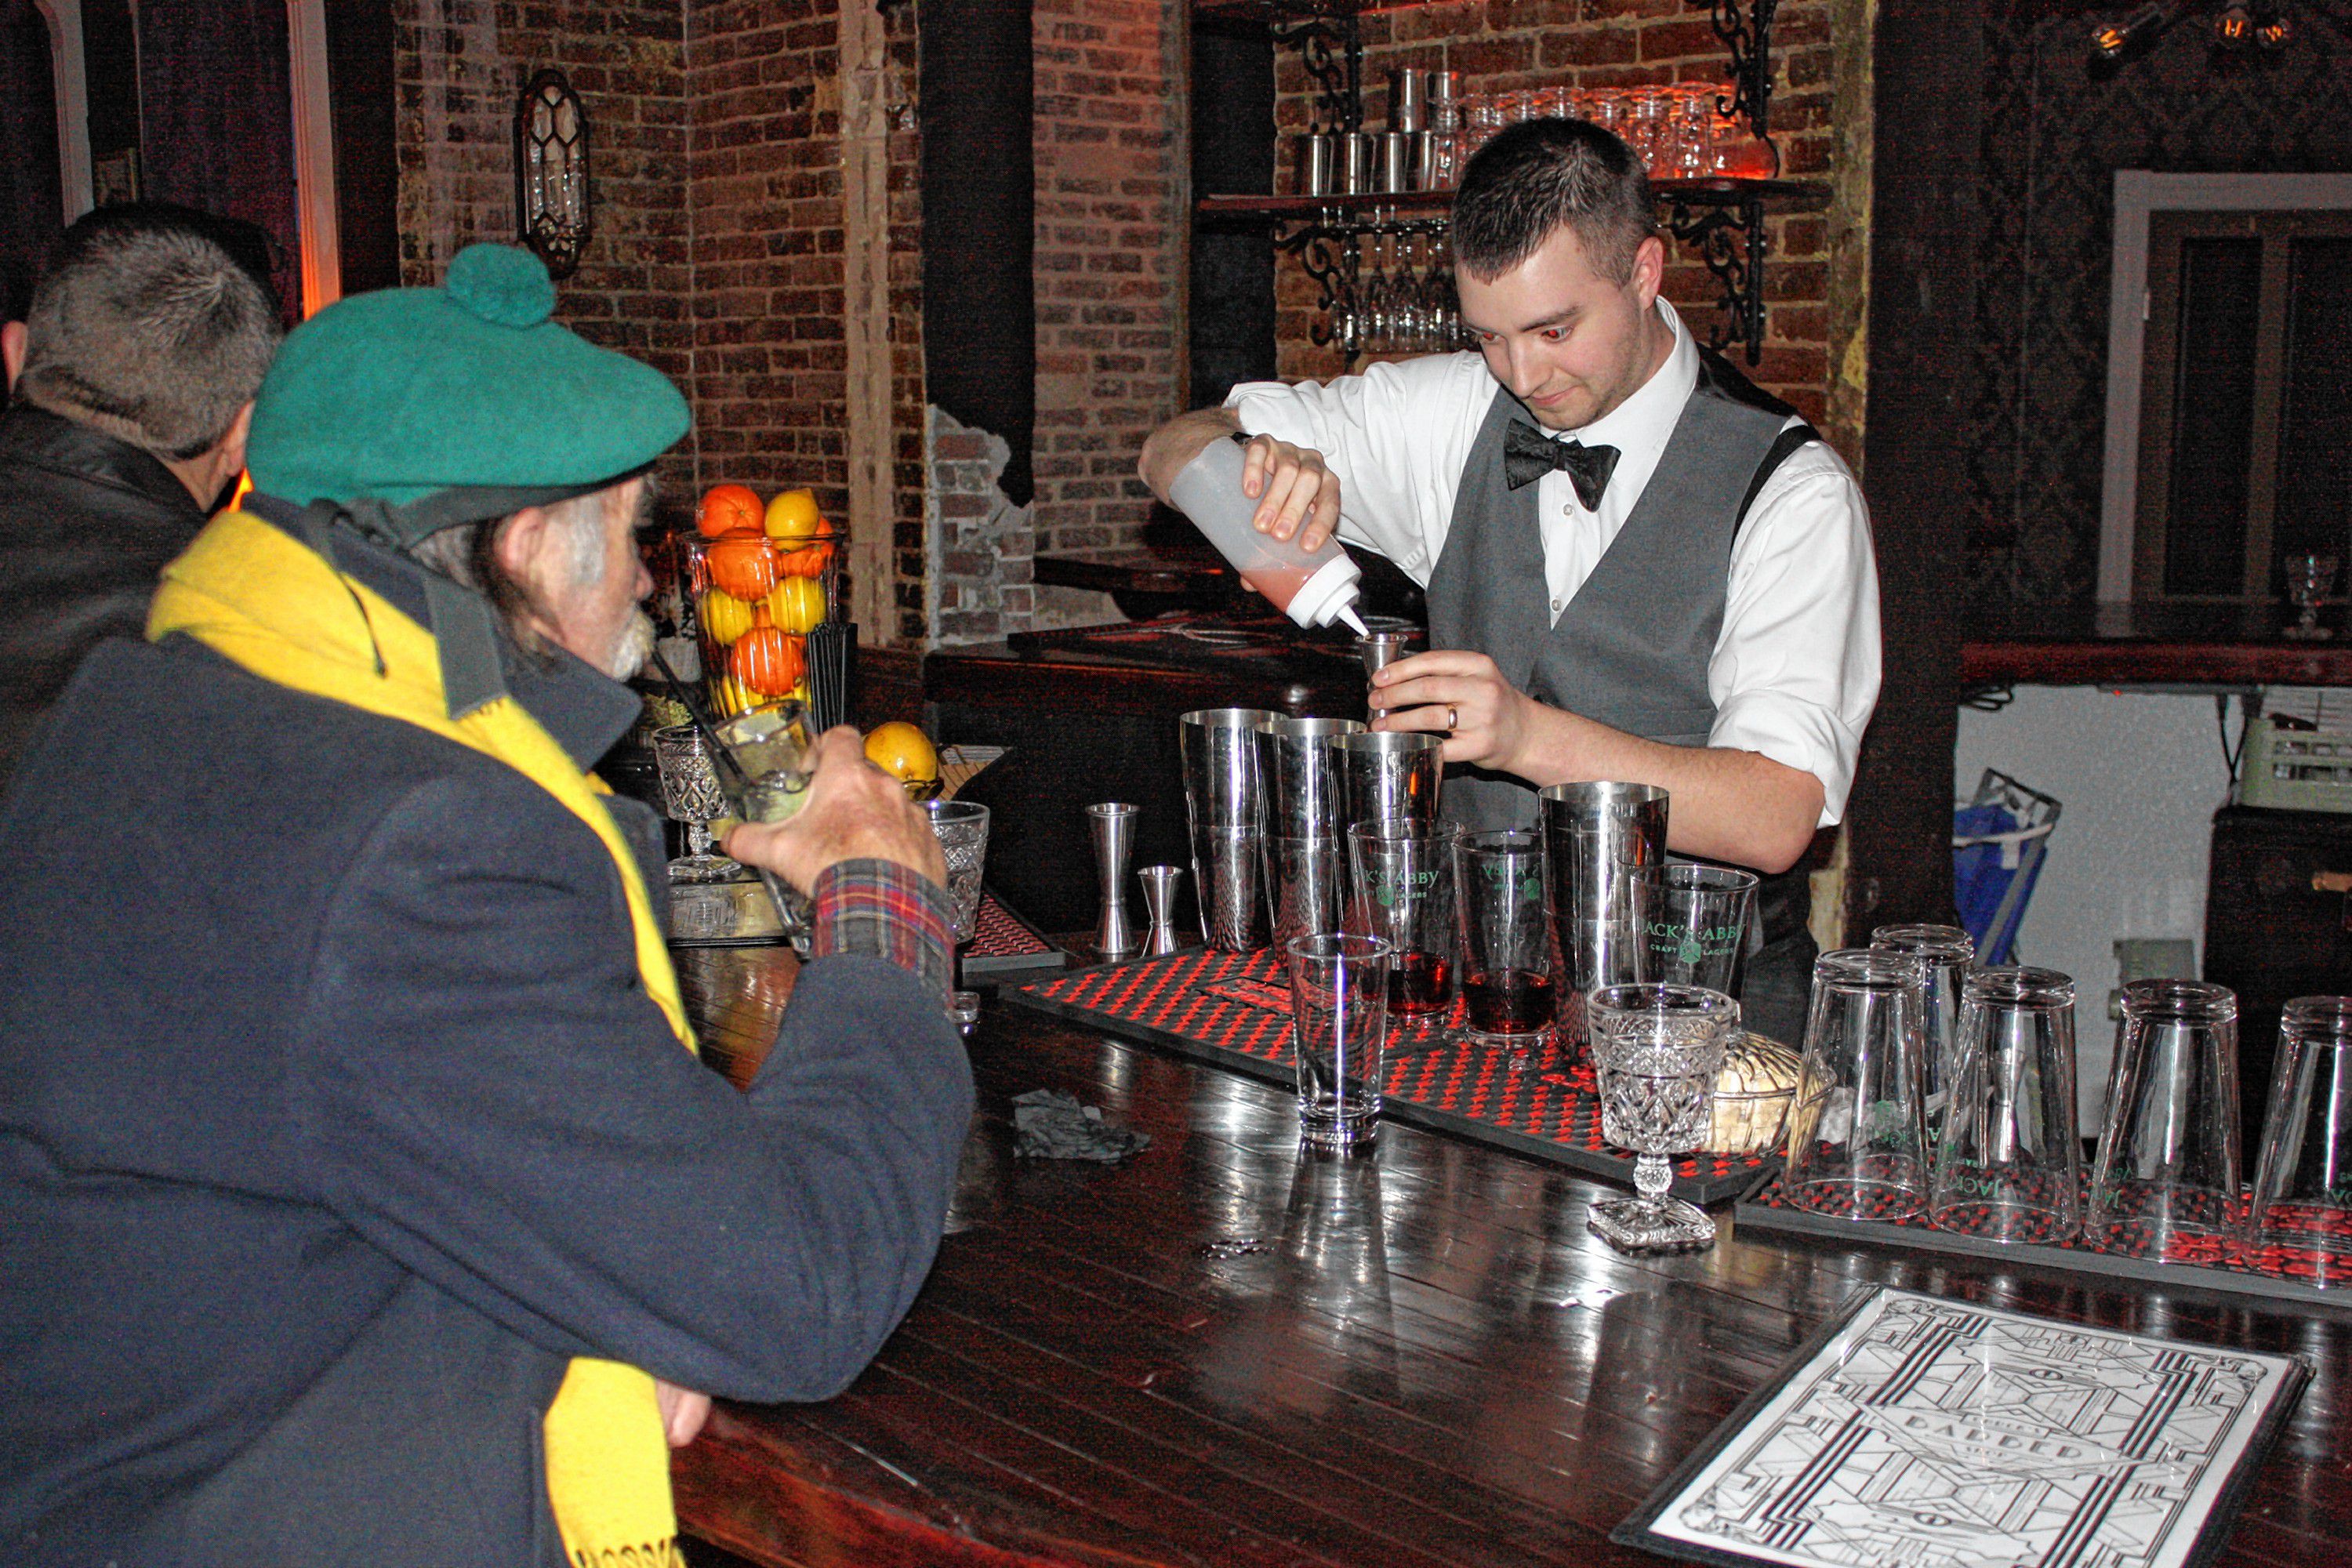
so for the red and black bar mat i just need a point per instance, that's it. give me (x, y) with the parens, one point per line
(1002, 942)
(1233, 1009)
(2281, 1273)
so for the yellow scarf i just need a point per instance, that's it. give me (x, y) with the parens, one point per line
(273, 607)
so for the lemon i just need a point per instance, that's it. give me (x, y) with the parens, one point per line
(725, 616)
(903, 752)
(798, 605)
(793, 515)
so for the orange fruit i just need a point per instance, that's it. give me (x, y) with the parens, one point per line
(743, 567)
(725, 616)
(793, 515)
(728, 509)
(903, 751)
(767, 660)
(806, 561)
(798, 603)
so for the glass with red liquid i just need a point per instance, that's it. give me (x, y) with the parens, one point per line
(1404, 894)
(1510, 953)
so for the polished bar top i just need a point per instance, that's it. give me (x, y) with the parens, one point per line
(1222, 1352)
(2152, 644)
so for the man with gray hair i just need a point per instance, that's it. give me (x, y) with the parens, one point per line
(132, 381)
(366, 1203)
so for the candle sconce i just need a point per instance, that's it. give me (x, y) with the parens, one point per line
(551, 173)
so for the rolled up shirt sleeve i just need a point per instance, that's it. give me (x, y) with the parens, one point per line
(1795, 671)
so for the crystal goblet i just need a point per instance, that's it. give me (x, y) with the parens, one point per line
(1656, 1052)
(961, 828)
(2310, 578)
(690, 795)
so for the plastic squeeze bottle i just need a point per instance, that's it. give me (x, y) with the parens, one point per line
(1313, 588)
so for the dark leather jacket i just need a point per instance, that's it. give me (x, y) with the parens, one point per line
(86, 523)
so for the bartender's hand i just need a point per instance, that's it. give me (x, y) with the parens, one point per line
(683, 1412)
(1461, 696)
(1295, 494)
(1292, 487)
(854, 811)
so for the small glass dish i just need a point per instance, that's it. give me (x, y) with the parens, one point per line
(1753, 1096)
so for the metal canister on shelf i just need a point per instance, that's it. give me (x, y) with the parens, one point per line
(1358, 152)
(1396, 162)
(1317, 154)
(1406, 99)
(1428, 160)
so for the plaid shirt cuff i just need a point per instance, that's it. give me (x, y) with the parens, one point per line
(890, 911)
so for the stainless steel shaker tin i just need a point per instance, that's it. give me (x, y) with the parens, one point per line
(1299, 776)
(1219, 749)
(1606, 842)
(1388, 774)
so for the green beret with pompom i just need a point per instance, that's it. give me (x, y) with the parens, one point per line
(405, 393)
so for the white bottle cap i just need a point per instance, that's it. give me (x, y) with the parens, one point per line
(1328, 595)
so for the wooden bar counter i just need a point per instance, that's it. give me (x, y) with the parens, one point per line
(1219, 1353)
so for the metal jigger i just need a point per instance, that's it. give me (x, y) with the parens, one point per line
(1160, 904)
(1111, 825)
(1380, 650)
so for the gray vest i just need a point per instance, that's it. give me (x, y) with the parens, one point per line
(1631, 650)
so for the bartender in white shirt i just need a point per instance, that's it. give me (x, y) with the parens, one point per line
(1639, 566)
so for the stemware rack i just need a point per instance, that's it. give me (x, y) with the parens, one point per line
(1720, 219)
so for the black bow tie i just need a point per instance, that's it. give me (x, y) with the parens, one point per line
(1529, 455)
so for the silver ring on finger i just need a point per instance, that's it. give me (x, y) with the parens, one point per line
(1452, 717)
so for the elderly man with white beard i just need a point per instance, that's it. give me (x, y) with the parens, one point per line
(364, 1202)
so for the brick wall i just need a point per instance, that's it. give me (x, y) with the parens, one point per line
(769, 384)
(716, 255)
(458, 68)
(1618, 42)
(1112, 225)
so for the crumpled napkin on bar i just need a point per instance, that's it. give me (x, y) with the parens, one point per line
(1051, 1125)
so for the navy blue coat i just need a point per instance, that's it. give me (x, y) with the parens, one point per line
(334, 1118)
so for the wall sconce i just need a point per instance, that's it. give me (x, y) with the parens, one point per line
(2237, 25)
(551, 173)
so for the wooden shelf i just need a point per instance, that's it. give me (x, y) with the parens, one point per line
(1779, 196)
(2151, 645)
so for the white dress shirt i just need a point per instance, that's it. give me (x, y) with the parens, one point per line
(1795, 669)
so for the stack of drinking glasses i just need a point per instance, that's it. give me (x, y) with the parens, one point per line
(1930, 1090)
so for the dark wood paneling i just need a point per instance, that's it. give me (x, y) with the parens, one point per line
(1925, 215)
(367, 176)
(1230, 313)
(980, 316)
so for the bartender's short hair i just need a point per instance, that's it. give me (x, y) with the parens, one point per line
(1540, 173)
(148, 327)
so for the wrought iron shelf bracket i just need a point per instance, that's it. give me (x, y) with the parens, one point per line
(1729, 238)
(1745, 28)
